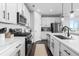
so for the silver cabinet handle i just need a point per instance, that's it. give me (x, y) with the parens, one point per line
(4, 14)
(8, 16)
(67, 52)
(18, 46)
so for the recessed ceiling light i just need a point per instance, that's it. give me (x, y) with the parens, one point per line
(33, 5)
(51, 10)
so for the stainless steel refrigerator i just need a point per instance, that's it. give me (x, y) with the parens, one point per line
(55, 27)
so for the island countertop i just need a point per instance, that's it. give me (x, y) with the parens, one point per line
(9, 42)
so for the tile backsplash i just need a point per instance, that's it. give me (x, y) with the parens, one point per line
(2, 25)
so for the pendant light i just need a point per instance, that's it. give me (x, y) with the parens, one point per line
(71, 12)
(62, 17)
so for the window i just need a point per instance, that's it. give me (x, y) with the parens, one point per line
(74, 24)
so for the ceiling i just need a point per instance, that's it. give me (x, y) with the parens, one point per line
(53, 8)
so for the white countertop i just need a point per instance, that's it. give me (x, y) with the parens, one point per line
(72, 43)
(9, 43)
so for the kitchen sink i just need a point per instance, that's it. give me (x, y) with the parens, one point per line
(61, 37)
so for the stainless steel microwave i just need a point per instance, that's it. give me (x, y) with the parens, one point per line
(21, 19)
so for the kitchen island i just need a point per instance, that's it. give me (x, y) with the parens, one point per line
(60, 47)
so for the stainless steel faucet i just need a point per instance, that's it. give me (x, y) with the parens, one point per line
(66, 28)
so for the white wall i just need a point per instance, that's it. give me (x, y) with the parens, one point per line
(35, 24)
(32, 24)
(32, 20)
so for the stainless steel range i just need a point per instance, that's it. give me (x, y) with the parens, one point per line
(28, 44)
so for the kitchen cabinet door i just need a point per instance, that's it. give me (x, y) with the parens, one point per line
(11, 51)
(52, 45)
(66, 51)
(12, 13)
(24, 10)
(26, 14)
(56, 48)
(2, 12)
(20, 7)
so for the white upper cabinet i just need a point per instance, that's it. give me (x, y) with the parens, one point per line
(27, 15)
(46, 21)
(24, 10)
(56, 48)
(12, 12)
(2, 12)
(20, 7)
(8, 12)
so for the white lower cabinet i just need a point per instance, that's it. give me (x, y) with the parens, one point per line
(56, 48)
(65, 51)
(59, 49)
(17, 49)
(9, 52)
(52, 46)
(20, 49)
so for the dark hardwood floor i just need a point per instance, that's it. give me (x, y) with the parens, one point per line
(40, 42)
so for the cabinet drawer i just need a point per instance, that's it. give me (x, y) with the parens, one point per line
(66, 51)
